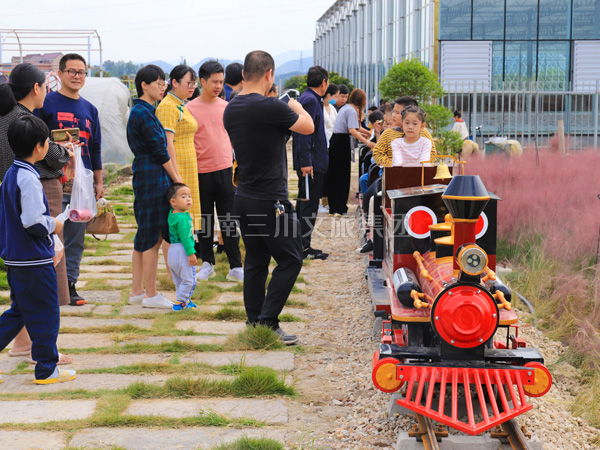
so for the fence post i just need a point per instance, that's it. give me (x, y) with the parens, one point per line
(561, 137)
(596, 95)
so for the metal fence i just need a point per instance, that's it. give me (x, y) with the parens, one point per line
(527, 113)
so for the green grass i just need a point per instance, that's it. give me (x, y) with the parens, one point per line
(4, 300)
(138, 347)
(255, 338)
(122, 190)
(250, 443)
(3, 281)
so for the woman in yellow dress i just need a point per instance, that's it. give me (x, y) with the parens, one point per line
(180, 128)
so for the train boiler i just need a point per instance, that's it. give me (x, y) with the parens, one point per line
(449, 334)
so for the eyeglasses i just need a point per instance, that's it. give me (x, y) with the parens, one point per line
(72, 73)
(192, 84)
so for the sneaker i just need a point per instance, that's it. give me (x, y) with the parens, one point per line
(136, 299)
(236, 274)
(337, 215)
(288, 339)
(76, 299)
(323, 209)
(158, 301)
(206, 271)
(179, 306)
(191, 305)
(367, 248)
(58, 376)
(311, 253)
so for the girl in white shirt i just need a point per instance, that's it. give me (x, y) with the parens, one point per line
(410, 150)
(329, 111)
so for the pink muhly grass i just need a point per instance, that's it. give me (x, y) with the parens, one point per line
(556, 200)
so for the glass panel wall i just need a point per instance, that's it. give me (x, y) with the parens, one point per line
(455, 20)
(553, 65)
(520, 62)
(586, 19)
(555, 19)
(488, 20)
(521, 19)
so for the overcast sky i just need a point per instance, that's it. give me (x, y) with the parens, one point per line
(145, 30)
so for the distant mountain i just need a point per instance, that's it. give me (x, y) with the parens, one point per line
(167, 67)
(291, 55)
(224, 62)
(295, 65)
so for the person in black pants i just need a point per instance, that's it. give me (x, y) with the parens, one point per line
(257, 126)
(215, 160)
(311, 159)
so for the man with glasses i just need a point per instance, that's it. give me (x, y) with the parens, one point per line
(67, 109)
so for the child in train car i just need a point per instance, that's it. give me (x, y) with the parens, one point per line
(413, 148)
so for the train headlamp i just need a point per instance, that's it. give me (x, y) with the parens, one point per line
(472, 260)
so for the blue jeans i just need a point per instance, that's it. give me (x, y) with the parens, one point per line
(363, 183)
(74, 235)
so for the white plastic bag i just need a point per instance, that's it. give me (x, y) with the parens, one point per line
(59, 250)
(83, 200)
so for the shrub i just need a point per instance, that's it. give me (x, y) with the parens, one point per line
(410, 77)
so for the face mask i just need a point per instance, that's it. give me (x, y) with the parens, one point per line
(333, 101)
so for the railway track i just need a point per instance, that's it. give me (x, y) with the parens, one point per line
(430, 436)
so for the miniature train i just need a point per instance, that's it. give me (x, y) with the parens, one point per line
(448, 331)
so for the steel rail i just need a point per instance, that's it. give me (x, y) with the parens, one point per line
(516, 438)
(429, 437)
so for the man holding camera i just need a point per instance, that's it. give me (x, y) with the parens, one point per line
(257, 126)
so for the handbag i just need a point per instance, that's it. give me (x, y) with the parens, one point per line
(104, 223)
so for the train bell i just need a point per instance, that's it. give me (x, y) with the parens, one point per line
(442, 172)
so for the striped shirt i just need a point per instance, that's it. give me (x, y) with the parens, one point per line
(410, 155)
(383, 153)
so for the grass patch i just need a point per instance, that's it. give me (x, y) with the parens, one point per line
(234, 303)
(586, 404)
(4, 300)
(123, 210)
(96, 284)
(289, 318)
(230, 314)
(250, 443)
(296, 303)
(139, 347)
(3, 281)
(255, 338)
(122, 190)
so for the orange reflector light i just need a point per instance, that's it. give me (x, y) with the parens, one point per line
(542, 383)
(384, 375)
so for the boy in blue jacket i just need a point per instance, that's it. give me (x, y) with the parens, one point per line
(27, 248)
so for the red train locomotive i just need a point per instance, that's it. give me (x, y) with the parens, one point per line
(449, 332)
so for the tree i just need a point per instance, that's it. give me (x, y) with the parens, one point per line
(121, 68)
(410, 77)
(336, 78)
(295, 82)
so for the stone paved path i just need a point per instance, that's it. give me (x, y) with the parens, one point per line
(125, 354)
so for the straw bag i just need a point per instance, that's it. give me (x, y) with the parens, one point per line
(104, 223)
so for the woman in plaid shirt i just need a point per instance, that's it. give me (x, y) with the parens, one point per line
(153, 172)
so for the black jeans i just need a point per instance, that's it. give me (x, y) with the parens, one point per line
(308, 210)
(217, 188)
(338, 175)
(266, 236)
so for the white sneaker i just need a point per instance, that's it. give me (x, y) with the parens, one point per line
(158, 301)
(323, 209)
(206, 271)
(136, 299)
(236, 274)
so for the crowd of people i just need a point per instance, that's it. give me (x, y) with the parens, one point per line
(211, 157)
